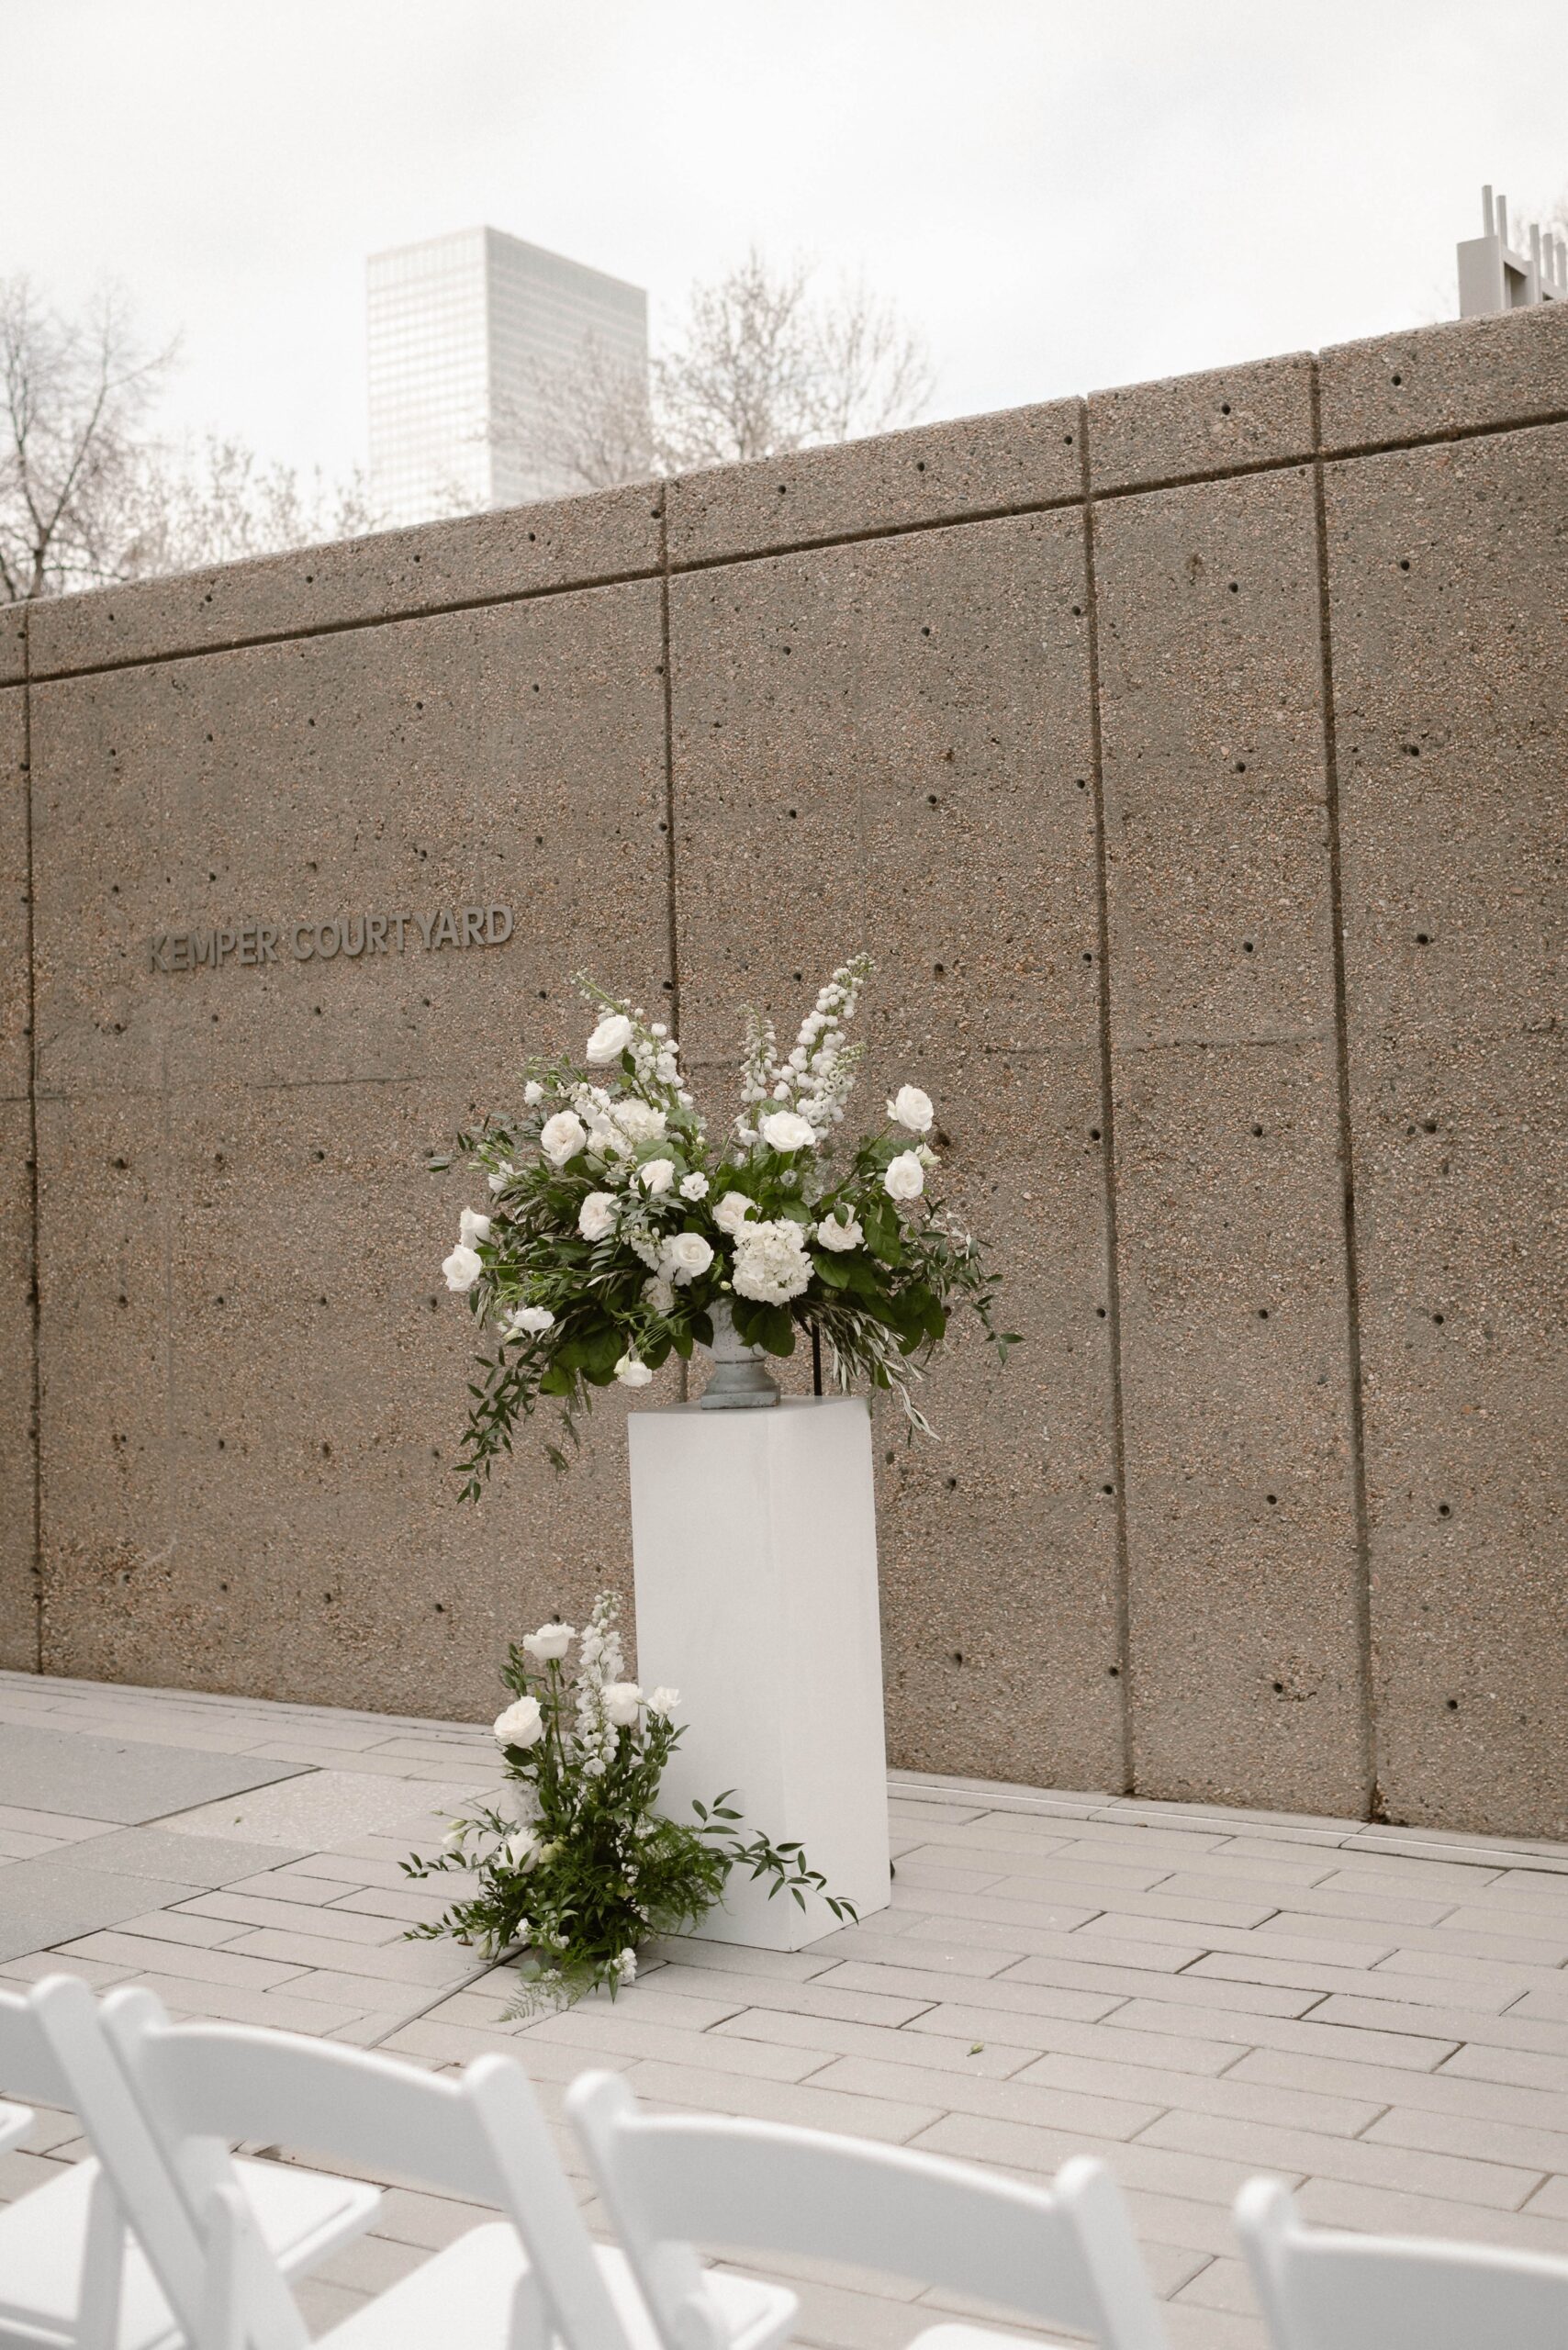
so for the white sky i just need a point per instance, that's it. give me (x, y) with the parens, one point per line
(1059, 196)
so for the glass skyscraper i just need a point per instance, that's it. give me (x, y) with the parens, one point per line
(468, 334)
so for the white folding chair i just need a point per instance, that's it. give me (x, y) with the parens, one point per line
(69, 2280)
(532, 2276)
(1065, 2257)
(1322, 2290)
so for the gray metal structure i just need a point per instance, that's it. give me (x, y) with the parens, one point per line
(1495, 274)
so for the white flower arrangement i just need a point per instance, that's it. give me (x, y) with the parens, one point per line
(583, 1869)
(618, 1223)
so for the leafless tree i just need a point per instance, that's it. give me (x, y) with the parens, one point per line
(761, 363)
(218, 502)
(74, 396)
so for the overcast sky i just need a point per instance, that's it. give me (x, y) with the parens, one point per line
(1058, 196)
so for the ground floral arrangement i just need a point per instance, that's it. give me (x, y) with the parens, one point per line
(620, 1227)
(579, 1869)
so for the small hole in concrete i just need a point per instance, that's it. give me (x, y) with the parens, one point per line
(931, 799)
(1272, 1500)
(1082, 783)
(1107, 1489)
(926, 632)
(1225, 408)
(321, 1154)
(326, 1453)
(1453, 1705)
(1234, 588)
(957, 1656)
(1279, 1688)
(1240, 767)
(1093, 1133)
(952, 1484)
(1397, 379)
(920, 464)
(1247, 947)
(1445, 1509)
(1403, 563)
(1114, 1671)
(1099, 1313)
(1256, 1130)
(940, 970)
(1429, 1125)
(1087, 956)
(1438, 1320)
(1262, 1314)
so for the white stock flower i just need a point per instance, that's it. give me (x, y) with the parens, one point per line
(912, 1108)
(561, 1136)
(771, 1263)
(636, 1121)
(472, 1228)
(623, 1702)
(533, 1093)
(462, 1269)
(521, 1851)
(522, 1724)
(656, 1175)
(659, 1294)
(831, 1233)
(528, 1321)
(550, 1642)
(664, 1702)
(626, 1967)
(609, 1040)
(645, 1248)
(596, 1217)
(632, 1374)
(786, 1130)
(694, 1187)
(685, 1255)
(732, 1211)
(905, 1178)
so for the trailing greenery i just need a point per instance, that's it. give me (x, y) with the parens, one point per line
(578, 1869)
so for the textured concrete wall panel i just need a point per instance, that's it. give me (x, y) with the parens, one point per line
(1468, 375)
(18, 1610)
(1451, 682)
(889, 745)
(482, 557)
(938, 473)
(252, 1375)
(1246, 1663)
(1219, 422)
(13, 643)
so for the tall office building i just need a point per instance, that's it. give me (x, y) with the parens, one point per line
(467, 334)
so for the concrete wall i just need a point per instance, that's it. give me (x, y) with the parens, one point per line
(1192, 758)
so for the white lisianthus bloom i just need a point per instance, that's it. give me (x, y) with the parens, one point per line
(609, 1040)
(522, 1724)
(685, 1255)
(638, 1121)
(732, 1211)
(786, 1130)
(664, 1702)
(502, 1176)
(912, 1108)
(771, 1263)
(840, 1237)
(905, 1178)
(623, 1702)
(533, 1093)
(925, 1155)
(521, 1851)
(656, 1176)
(596, 1217)
(550, 1643)
(472, 1228)
(694, 1187)
(528, 1321)
(462, 1269)
(561, 1136)
(456, 1836)
(632, 1374)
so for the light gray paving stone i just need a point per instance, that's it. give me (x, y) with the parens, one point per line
(63, 1827)
(1200, 2329)
(1387, 1873)
(1373, 1983)
(37, 1964)
(809, 1999)
(1220, 2284)
(1078, 1881)
(1354, 2039)
(1314, 1901)
(175, 1926)
(588, 2034)
(244, 1970)
(434, 1963)
(1017, 1995)
(1148, 1982)
(1472, 2022)
(370, 2264)
(895, 2118)
(410, 2215)
(17, 1845)
(21, 2170)
(323, 2305)
(442, 2043)
(1313, 2154)
(1336, 2203)
(982, 2060)
(316, 1919)
(734, 1958)
(1089, 1948)
(1062, 2036)
(283, 2010)
(940, 1951)
(1048, 2108)
(200, 1862)
(651, 2000)
(1550, 2202)
(57, 1899)
(936, 1876)
(316, 1892)
(1448, 2091)
(1343, 2116)
(1520, 2067)
(1199, 2178)
(124, 1778)
(1492, 2142)
(1023, 1907)
(319, 1808)
(411, 1908)
(1459, 1969)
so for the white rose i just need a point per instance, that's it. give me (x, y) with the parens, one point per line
(732, 1211)
(786, 1130)
(561, 1136)
(533, 1093)
(771, 1263)
(639, 1121)
(609, 1040)
(521, 1851)
(528, 1321)
(472, 1228)
(694, 1187)
(912, 1108)
(632, 1374)
(462, 1269)
(623, 1702)
(664, 1702)
(522, 1724)
(685, 1255)
(596, 1217)
(834, 1235)
(550, 1643)
(657, 1175)
(905, 1178)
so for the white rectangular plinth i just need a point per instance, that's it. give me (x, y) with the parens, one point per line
(754, 1542)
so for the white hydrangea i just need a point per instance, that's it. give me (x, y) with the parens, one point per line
(771, 1262)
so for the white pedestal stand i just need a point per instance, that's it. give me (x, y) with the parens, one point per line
(754, 1541)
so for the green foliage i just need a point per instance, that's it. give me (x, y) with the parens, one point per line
(582, 1869)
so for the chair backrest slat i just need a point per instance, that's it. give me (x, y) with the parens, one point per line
(29, 2070)
(1322, 2290)
(1067, 2256)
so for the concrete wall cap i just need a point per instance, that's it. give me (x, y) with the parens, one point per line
(1222, 421)
(392, 575)
(1463, 376)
